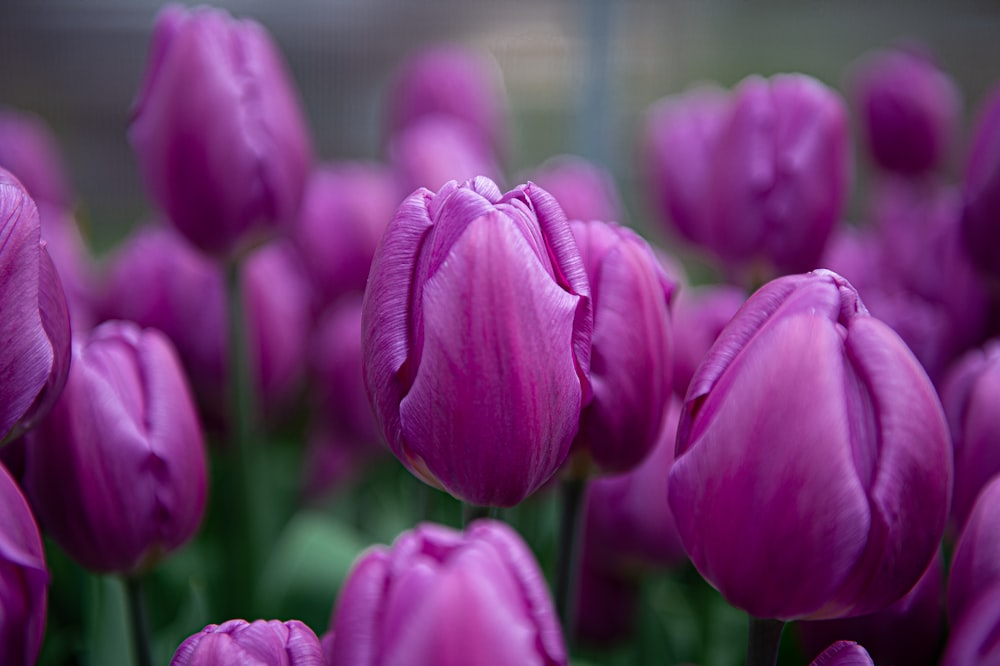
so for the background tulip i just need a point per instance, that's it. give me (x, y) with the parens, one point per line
(476, 339)
(239, 643)
(975, 564)
(844, 653)
(631, 360)
(218, 130)
(974, 639)
(813, 468)
(435, 149)
(908, 110)
(585, 190)
(34, 328)
(981, 190)
(24, 579)
(699, 314)
(116, 472)
(30, 151)
(446, 598)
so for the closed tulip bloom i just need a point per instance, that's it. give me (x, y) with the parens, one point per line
(631, 361)
(699, 314)
(969, 394)
(443, 598)
(30, 151)
(116, 472)
(451, 80)
(679, 140)
(585, 190)
(436, 149)
(345, 210)
(981, 190)
(813, 470)
(975, 564)
(844, 653)
(780, 173)
(218, 130)
(34, 326)
(24, 579)
(909, 110)
(974, 639)
(476, 332)
(258, 643)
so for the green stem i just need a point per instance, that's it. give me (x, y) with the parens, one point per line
(473, 512)
(764, 641)
(568, 555)
(138, 619)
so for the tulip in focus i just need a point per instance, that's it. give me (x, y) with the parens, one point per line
(981, 190)
(24, 579)
(116, 472)
(241, 643)
(813, 470)
(217, 128)
(631, 360)
(438, 597)
(909, 110)
(476, 332)
(34, 319)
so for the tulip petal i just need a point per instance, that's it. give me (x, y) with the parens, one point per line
(359, 610)
(488, 375)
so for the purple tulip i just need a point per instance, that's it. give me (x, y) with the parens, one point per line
(277, 295)
(780, 173)
(844, 653)
(680, 134)
(974, 639)
(73, 262)
(969, 394)
(436, 149)
(813, 468)
(34, 328)
(909, 110)
(262, 642)
(24, 579)
(981, 190)
(908, 632)
(454, 81)
(631, 360)
(158, 280)
(446, 598)
(116, 472)
(628, 524)
(345, 210)
(584, 190)
(218, 130)
(699, 314)
(30, 151)
(476, 339)
(975, 564)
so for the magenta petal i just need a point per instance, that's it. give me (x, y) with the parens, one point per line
(474, 383)
(844, 653)
(359, 611)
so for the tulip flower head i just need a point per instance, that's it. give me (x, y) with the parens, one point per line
(24, 579)
(438, 597)
(813, 462)
(116, 472)
(30, 151)
(239, 643)
(218, 129)
(981, 190)
(34, 319)
(476, 329)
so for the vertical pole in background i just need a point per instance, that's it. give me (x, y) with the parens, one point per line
(595, 126)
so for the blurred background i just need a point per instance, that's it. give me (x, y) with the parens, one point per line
(578, 73)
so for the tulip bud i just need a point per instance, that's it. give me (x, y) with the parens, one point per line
(909, 110)
(631, 359)
(699, 314)
(476, 332)
(981, 190)
(584, 190)
(453, 81)
(844, 653)
(238, 642)
(24, 579)
(969, 395)
(813, 469)
(116, 472)
(443, 598)
(34, 328)
(30, 151)
(975, 564)
(435, 149)
(345, 210)
(217, 128)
